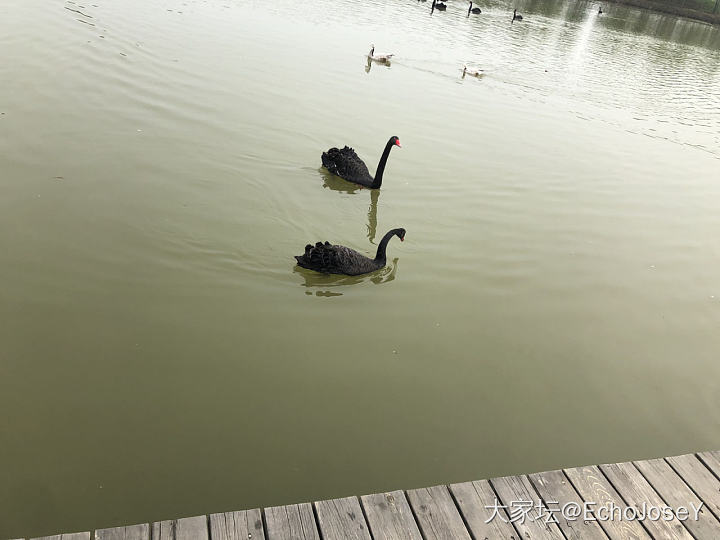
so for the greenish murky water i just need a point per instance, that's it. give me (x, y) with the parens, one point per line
(556, 301)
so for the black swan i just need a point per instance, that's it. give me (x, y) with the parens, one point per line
(330, 259)
(439, 6)
(473, 10)
(346, 164)
(600, 10)
(516, 17)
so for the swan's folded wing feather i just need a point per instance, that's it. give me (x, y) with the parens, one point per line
(333, 259)
(346, 164)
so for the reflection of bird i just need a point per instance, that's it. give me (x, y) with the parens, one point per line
(516, 16)
(473, 10)
(333, 259)
(346, 164)
(472, 72)
(372, 215)
(379, 57)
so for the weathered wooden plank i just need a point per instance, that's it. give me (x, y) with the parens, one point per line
(594, 488)
(292, 522)
(516, 491)
(342, 518)
(711, 460)
(477, 502)
(243, 525)
(131, 532)
(635, 491)
(192, 528)
(389, 516)
(558, 493)
(676, 493)
(700, 479)
(66, 536)
(437, 514)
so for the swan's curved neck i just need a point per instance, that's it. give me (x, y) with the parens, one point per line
(380, 256)
(377, 181)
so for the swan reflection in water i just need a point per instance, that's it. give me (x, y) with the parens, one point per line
(324, 283)
(335, 183)
(370, 63)
(372, 215)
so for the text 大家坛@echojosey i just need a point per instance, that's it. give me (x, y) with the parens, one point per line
(548, 511)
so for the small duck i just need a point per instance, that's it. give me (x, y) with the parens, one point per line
(473, 10)
(516, 16)
(472, 72)
(383, 58)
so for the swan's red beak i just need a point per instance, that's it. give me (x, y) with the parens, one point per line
(397, 142)
(402, 238)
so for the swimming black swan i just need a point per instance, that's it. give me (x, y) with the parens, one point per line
(346, 164)
(516, 17)
(600, 10)
(439, 6)
(330, 259)
(473, 10)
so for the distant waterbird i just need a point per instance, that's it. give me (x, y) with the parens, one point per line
(475, 10)
(516, 16)
(472, 72)
(382, 58)
(438, 5)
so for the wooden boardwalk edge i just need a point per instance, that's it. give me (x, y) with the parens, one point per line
(464, 510)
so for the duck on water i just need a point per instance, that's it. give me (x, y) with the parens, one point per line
(334, 259)
(382, 58)
(346, 164)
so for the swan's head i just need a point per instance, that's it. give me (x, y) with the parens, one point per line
(401, 234)
(394, 140)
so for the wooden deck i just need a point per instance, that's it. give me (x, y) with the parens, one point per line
(536, 506)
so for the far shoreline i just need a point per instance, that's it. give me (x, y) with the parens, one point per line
(662, 7)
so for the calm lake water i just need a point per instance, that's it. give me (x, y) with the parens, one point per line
(556, 301)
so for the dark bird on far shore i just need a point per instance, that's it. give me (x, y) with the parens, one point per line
(333, 259)
(346, 164)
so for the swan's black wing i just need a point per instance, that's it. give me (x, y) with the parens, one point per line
(331, 259)
(346, 164)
